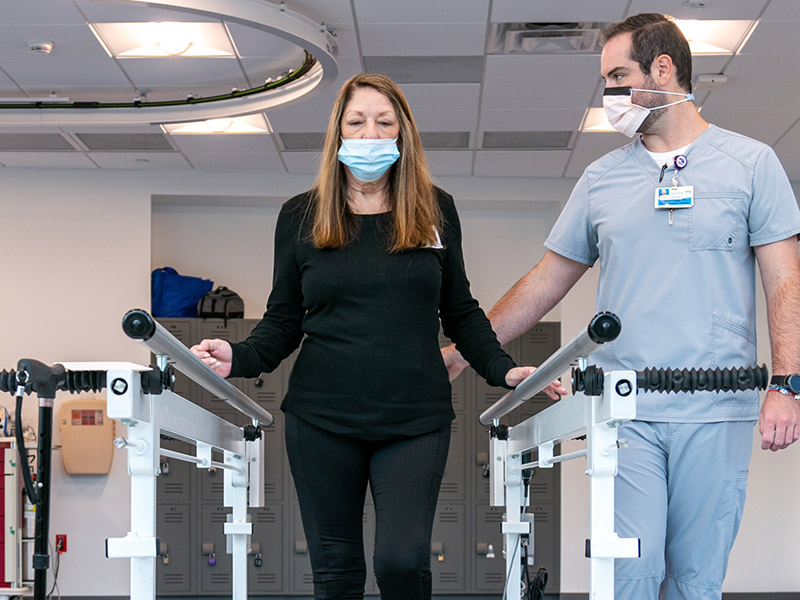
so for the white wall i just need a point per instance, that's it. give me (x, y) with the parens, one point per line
(77, 251)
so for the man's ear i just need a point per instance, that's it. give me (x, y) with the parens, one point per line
(662, 69)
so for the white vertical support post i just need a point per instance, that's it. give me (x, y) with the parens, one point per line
(617, 403)
(601, 467)
(514, 527)
(125, 398)
(237, 529)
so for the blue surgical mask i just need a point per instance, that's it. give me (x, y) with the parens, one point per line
(369, 158)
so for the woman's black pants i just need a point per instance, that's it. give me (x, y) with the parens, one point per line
(331, 473)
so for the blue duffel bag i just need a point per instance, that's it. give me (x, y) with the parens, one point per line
(175, 295)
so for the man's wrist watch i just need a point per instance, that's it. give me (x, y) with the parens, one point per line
(786, 384)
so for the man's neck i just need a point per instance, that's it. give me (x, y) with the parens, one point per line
(680, 128)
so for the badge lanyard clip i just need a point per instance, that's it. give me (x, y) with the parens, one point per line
(680, 162)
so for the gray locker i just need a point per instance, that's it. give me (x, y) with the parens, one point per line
(448, 545)
(266, 560)
(175, 483)
(211, 545)
(547, 542)
(489, 571)
(175, 529)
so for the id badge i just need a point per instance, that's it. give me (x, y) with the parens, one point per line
(681, 196)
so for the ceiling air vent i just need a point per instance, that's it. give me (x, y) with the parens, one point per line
(544, 38)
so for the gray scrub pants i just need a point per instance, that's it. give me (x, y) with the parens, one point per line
(681, 490)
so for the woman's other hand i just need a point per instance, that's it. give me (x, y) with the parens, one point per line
(515, 376)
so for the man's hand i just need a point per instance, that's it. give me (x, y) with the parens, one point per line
(453, 360)
(779, 421)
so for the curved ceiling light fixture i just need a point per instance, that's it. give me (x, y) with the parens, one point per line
(318, 70)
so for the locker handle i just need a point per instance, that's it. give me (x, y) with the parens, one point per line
(437, 549)
(485, 549)
(301, 547)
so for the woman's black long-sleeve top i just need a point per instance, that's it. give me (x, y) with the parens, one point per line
(370, 364)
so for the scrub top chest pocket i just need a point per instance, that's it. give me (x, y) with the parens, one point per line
(717, 221)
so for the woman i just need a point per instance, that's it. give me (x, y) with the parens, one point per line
(366, 264)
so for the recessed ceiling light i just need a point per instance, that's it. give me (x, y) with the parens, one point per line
(143, 40)
(247, 124)
(716, 37)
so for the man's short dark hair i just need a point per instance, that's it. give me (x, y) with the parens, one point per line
(654, 34)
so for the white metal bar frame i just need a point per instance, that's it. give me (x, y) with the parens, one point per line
(598, 418)
(147, 417)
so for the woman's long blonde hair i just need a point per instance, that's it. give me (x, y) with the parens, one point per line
(412, 197)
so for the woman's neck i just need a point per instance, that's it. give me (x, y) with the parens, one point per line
(366, 198)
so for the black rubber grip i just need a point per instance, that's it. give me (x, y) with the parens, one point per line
(703, 380)
(138, 324)
(604, 327)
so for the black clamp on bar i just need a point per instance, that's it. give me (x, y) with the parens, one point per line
(499, 431)
(156, 381)
(251, 433)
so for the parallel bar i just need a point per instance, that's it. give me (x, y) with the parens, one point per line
(139, 325)
(604, 327)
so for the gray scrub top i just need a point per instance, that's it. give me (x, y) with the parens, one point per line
(685, 292)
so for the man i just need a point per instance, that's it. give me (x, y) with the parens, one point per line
(678, 219)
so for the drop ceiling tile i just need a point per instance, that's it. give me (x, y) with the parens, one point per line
(759, 80)
(422, 11)
(301, 162)
(590, 146)
(251, 42)
(50, 160)
(782, 9)
(300, 121)
(237, 162)
(433, 96)
(110, 129)
(532, 119)
(143, 161)
(53, 73)
(39, 141)
(730, 9)
(41, 12)
(527, 96)
(69, 42)
(427, 69)
(132, 12)
(446, 120)
(330, 12)
(765, 123)
(423, 39)
(774, 37)
(546, 71)
(564, 11)
(444, 163)
(257, 143)
(521, 163)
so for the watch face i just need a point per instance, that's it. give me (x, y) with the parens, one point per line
(793, 383)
